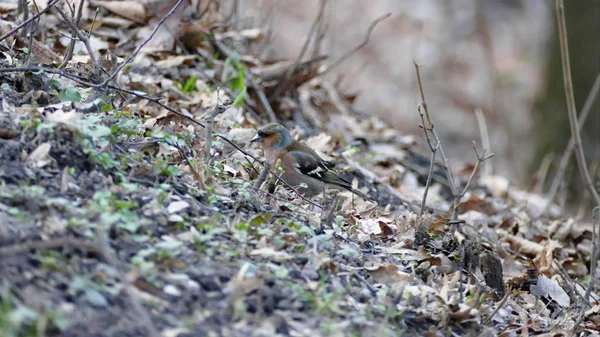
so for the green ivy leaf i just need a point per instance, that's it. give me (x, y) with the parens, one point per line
(70, 94)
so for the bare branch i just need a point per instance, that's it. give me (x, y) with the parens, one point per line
(364, 42)
(485, 138)
(566, 157)
(139, 48)
(24, 23)
(564, 51)
(429, 177)
(430, 127)
(76, 19)
(593, 262)
(281, 84)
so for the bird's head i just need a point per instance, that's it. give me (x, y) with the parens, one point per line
(273, 136)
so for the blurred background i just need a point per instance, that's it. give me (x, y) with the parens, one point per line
(498, 56)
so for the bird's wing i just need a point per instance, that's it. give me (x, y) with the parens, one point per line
(307, 164)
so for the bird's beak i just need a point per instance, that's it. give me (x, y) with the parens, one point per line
(256, 138)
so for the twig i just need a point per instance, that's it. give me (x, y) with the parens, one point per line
(32, 30)
(80, 36)
(369, 286)
(261, 94)
(263, 100)
(485, 139)
(364, 42)
(24, 23)
(564, 51)
(429, 177)
(433, 148)
(69, 53)
(432, 138)
(480, 158)
(263, 176)
(430, 127)
(593, 261)
(218, 109)
(566, 157)
(281, 85)
(134, 54)
(195, 173)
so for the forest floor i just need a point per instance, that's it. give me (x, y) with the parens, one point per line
(119, 218)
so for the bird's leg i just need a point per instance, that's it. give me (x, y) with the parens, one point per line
(324, 209)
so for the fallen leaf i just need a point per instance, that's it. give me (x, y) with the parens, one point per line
(177, 206)
(40, 156)
(550, 288)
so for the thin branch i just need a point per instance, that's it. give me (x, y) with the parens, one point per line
(263, 176)
(432, 138)
(281, 85)
(139, 48)
(564, 51)
(566, 157)
(261, 94)
(429, 178)
(69, 53)
(431, 128)
(485, 138)
(364, 42)
(80, 36)
(24, 23)
(593, 262)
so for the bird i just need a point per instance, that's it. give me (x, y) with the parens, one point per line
(303, 168)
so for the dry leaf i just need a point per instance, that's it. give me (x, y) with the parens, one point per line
(177, 206)
(132, 10)
(389, 274)
(550, 288)
(40, 156)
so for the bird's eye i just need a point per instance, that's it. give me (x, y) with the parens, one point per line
(262, 133)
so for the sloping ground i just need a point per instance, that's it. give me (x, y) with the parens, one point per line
(115, 220)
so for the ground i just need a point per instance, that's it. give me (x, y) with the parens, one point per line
(119, 218)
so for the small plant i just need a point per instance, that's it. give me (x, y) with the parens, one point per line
(238, 82)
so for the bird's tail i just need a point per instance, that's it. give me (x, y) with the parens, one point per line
(334, 179)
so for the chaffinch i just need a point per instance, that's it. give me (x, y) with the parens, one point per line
(300, 164)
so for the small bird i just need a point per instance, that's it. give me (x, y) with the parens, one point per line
(303, 169)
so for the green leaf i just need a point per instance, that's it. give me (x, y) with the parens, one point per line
(190, 85)
(70, 94)
(54, 84)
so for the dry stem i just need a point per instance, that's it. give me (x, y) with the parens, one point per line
(566, 157)
(593, 261)
(435, 144)
(364, 42)
(24, 23)
(281, 85)
(80, 36)
(76, 19)
(139, 48)
(564, 51)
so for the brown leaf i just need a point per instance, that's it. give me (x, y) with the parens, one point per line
(385, 229)
(389, 274)
(129, 9)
